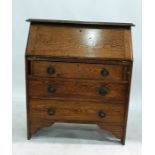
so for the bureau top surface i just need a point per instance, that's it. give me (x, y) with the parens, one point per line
(77, 39)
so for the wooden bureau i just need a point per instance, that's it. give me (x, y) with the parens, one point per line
(78, 72)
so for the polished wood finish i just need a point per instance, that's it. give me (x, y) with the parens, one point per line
(79, 42)
(78, 72)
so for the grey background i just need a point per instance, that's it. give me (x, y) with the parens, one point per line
(85, 10)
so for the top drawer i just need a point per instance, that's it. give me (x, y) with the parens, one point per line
(77, 70)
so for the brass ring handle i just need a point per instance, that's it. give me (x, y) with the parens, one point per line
(50, 70)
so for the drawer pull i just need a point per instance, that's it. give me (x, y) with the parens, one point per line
(104, 72)
(103, 91)
(50, 70)
(51, 89)
(101, 114)
(51, 111)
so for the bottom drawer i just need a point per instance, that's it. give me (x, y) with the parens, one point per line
(75, 111)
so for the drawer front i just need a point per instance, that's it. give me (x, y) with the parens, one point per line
(65, 110)
(77, 70)
(83, 89)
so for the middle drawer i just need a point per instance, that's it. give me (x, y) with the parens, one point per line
(73, 88)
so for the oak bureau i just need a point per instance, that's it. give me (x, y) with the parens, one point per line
(78, 72)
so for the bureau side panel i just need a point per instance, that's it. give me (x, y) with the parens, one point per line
(128, 76)
(27, 98)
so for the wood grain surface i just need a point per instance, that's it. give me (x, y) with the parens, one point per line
(65, 41)
(75, 111)
(70, 88)
(77, 70)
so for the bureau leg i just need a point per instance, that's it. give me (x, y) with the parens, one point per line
(123, 141)
(28, 136)
(115, 130)
(123, 138)
(28, 130)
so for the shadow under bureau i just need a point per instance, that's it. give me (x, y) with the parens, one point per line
(78, 72)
